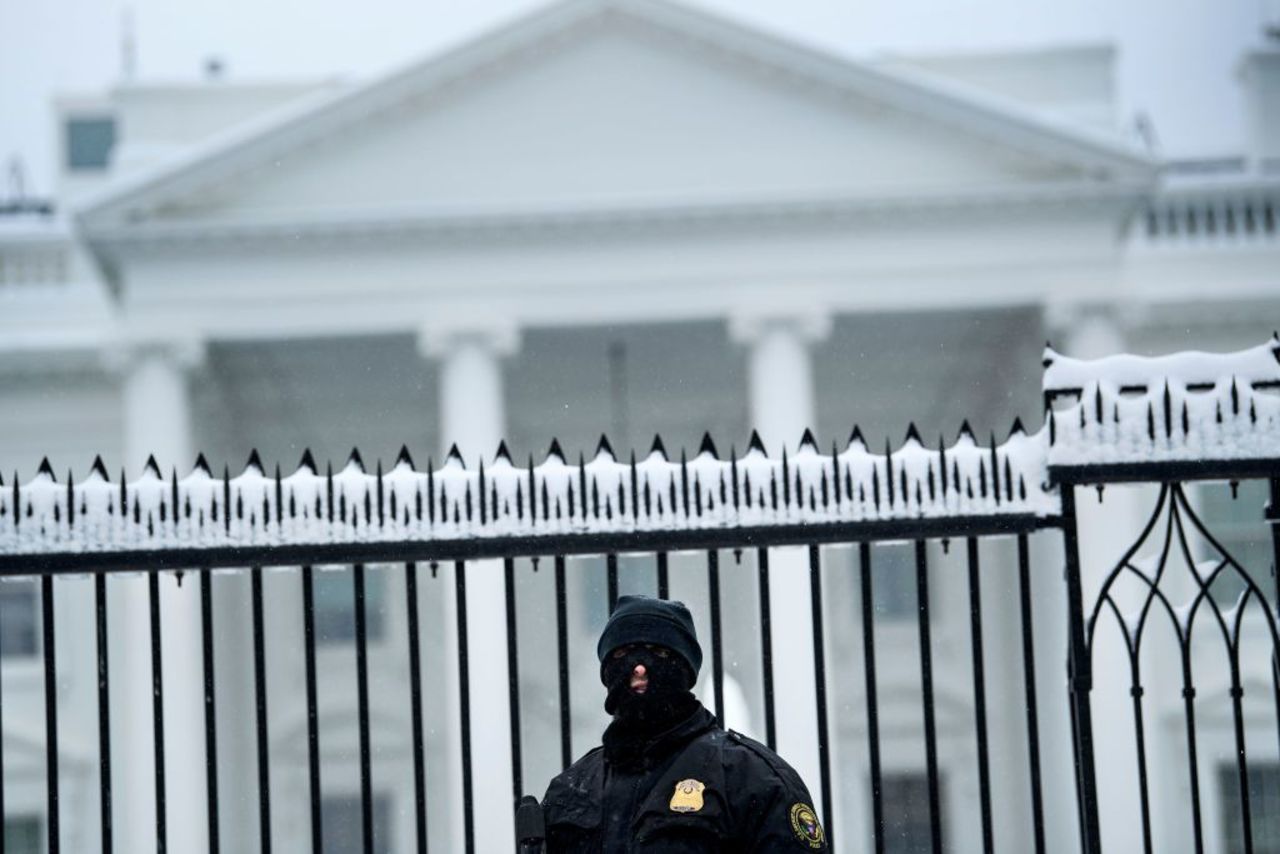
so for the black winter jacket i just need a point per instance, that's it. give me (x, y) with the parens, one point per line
(696, 789)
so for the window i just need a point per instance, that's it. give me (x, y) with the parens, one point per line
(18, 622)
(334, 594)
(1238, 525)
(89, 142)
(23, 834)
(342, 827)
(905, 798)
(1264, 806)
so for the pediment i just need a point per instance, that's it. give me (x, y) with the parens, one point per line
(598, 104)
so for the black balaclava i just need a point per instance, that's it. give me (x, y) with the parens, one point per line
(644, 626)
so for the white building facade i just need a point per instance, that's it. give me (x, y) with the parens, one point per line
(610, 216)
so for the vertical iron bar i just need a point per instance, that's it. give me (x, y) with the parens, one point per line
(873, 711)
(1242, 766)
(979, 692)
(562, 661)
(415, 705)
(1272, 514)
(1029, 687)
(105, 836)
(820, 688)
(513, 681)
(50, 713)
(766, 646)
(260, 697)
(611, 575)
(362, 710)
(464, 702)
(104, 717)
(313, 715)
(210, 708)
(664, 578)
(1080, 676)
(926, 685)
(717, 651)
(157, 709)
(1193, 762)
(1140, 740)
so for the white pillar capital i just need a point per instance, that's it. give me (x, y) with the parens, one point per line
(809, 326)
(124, 355)
(440, 340)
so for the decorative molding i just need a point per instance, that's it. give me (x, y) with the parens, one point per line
(433, 223)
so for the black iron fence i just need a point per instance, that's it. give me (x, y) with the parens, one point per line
(1156, 428)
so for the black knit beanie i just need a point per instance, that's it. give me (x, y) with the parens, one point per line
(643, 619)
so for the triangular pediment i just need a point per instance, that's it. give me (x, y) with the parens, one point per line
(614, 103)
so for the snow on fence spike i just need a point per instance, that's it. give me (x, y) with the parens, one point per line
(1181, 407)
(1165, 416)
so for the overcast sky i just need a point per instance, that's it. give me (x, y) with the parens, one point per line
(1177, 58)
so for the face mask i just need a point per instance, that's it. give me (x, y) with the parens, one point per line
(668, 681)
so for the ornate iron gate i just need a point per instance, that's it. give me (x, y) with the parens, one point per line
(1165, 422)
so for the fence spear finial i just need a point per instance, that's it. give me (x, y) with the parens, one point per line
(355, 459)
(1017, 428)
(502, 452)
(913, 435)
(202, 465)
(254, 462)
(556, 451)
(308, 462)
(403, 458)
(151, 468)
(807, 441)
(856, 439)
(46, 470)
(454, 457)
(708, 446)
(603, 447)
(966, 432)
(658, 447)
(95, 470)
(756, 445)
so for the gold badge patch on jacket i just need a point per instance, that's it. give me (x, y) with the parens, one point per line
(688, 796)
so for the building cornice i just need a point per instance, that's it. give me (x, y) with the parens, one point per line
(619, 220)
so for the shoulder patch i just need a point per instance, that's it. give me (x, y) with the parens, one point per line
(805, 826)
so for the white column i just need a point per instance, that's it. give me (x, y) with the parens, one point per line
(472, 415)
(157, 422)
(780, 381)
(1106, 528)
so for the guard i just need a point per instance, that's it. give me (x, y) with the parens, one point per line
(667, 777)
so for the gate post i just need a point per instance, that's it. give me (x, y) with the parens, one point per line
(1079, 681)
